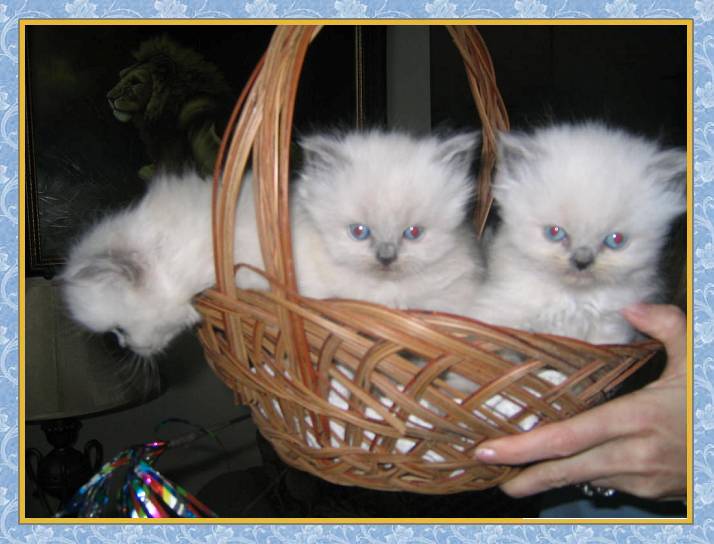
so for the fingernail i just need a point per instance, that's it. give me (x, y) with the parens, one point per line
(485, 454)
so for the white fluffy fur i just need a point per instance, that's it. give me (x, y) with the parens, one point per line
(591, 180)
(136, 271)
(388, 181)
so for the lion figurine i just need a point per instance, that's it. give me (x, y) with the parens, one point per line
(176, 99)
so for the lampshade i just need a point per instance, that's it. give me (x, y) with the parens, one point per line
(68, 372)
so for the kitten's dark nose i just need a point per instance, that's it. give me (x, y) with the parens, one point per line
(113, 343)
(582, 257)
(386, 253)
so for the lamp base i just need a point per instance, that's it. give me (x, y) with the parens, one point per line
(65, 469)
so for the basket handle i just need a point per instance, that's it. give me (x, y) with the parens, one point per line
(261, 127)
(242, 136)
(491, 109)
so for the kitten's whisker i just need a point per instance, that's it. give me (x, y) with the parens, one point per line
(136, 368)
(125, 376)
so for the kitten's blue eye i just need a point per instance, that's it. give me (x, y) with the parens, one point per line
(358, 231)
(555, 233)
(413, 232)
(615, 240)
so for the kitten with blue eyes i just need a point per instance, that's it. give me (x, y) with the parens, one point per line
(376, 216)
(381, 217)
(585, 212)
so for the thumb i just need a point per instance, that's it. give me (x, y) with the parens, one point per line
(667, 324)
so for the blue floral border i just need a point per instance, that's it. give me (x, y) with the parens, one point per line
(701, 11)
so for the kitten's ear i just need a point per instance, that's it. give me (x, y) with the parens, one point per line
(515, 147)
(113, 267)
(669, 167)
(459, 150)
(323, 152)
(514, 152)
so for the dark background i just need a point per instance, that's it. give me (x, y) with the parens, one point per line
(82, 161)
(632, 76)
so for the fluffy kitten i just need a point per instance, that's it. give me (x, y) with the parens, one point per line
(376, 216)
(134, 272)
(382, 217)
(586, 209)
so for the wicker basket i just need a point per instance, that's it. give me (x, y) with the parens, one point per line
(353, 392)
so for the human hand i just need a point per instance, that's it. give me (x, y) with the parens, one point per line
(635, 443)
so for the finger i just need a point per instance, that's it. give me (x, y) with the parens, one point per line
(594, 465)
(562, 439)
(526, 484)
(667, 324)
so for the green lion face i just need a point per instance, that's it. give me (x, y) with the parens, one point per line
(130, 96)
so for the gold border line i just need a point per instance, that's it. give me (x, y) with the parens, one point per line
(356, 521)
(21, 278)
(362, 22)
(690, 270)
(688, 23)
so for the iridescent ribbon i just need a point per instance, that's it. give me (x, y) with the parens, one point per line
(144, 492)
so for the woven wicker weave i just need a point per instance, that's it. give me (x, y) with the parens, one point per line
(354, 392)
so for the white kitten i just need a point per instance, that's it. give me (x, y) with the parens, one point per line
(382, 217)
(135, 271)
(377, 217)
(586, 209)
